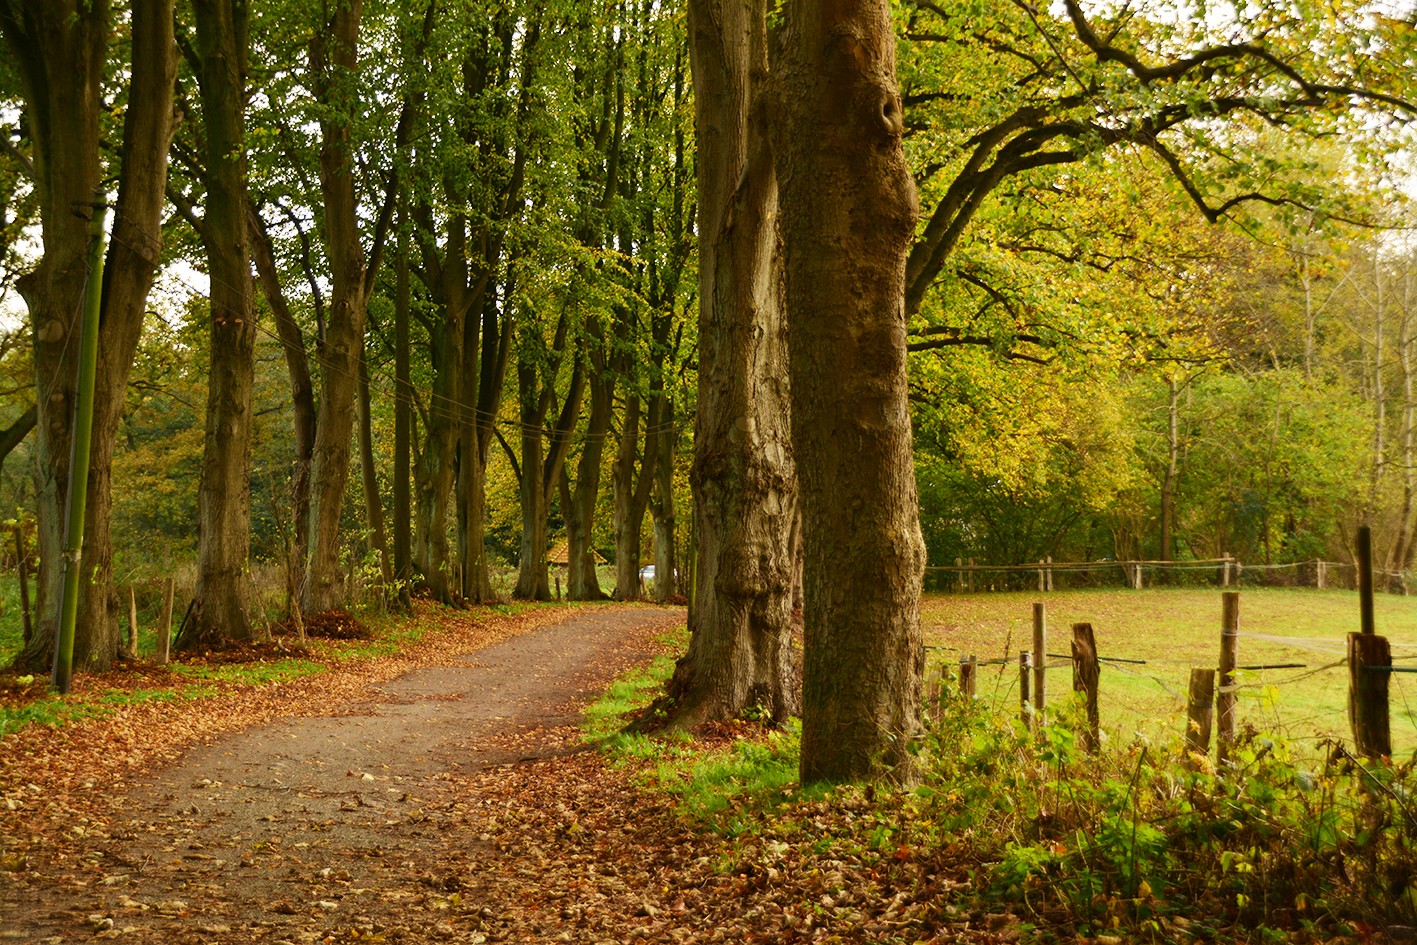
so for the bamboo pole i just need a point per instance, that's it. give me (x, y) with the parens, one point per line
(79, 456)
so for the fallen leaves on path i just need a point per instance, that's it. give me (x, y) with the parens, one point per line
(564, 848)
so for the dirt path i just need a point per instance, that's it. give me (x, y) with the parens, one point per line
(343, 825)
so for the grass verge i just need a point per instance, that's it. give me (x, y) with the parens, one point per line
(1025, 832)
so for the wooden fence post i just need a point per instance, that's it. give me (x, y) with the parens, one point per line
(1199, 709)
(968, 675)
(1042, 577)
(1040, 651)
(1025, 701)
(959, 563)
(1085, 672)
(1050, 574)
(1365, 579)
(133, 618)
(1225, 571)
(164, 623)
(1369, 668)
(933, 688)
(1322, 573)
(1369, 665)
(971, 575)
(1229, 658)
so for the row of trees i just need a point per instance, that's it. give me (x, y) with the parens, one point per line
(473, 192)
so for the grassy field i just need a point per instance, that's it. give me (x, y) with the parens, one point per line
(1174, 630)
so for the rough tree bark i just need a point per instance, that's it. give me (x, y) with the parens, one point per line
(224, 496)
(302, 396)
(848, 215)
(632, 493)
(542, 463)
(578, 505)
(666, 559)
(60, 50)
(334, 61)
(369, 480)
(740, 651)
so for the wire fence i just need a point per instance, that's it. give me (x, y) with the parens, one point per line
(1294, 687)
(967, 577)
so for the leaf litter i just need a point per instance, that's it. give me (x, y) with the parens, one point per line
(552, 844)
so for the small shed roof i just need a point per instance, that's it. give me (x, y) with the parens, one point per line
(559, 555)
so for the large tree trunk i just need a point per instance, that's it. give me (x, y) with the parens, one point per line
(434, 474)
(369, 479)
(848, 216)
(333, 56)
(224, 497)
(302, 397)
(628, 515)
(582, 582)
(60, 49)
(490, 371)
(403, 422)
(532, 582)
(740, 651)
(541, 470)
(666, 558)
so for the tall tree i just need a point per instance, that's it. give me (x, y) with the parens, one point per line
(744, 478)
(219, 61)
(848, 216)
(61, 49)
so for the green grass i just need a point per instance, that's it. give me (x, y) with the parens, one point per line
(252, 674)
(1176, 629)
(719, 785)
(11, 616)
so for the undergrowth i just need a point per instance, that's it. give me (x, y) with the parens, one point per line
(1141, 840)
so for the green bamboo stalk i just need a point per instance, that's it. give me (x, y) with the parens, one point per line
(79, 457)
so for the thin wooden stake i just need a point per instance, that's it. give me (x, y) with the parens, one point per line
(1042, 578)
(1050, 574)
(933, 689)
(1369, 668)
(133, 619)
(1200, 708)
(1085, 675)
(1229, 659)
(971, 575)
(1365, 579)
(1025, 677)
(24, 581)
(164, 622)
(1040, 650)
